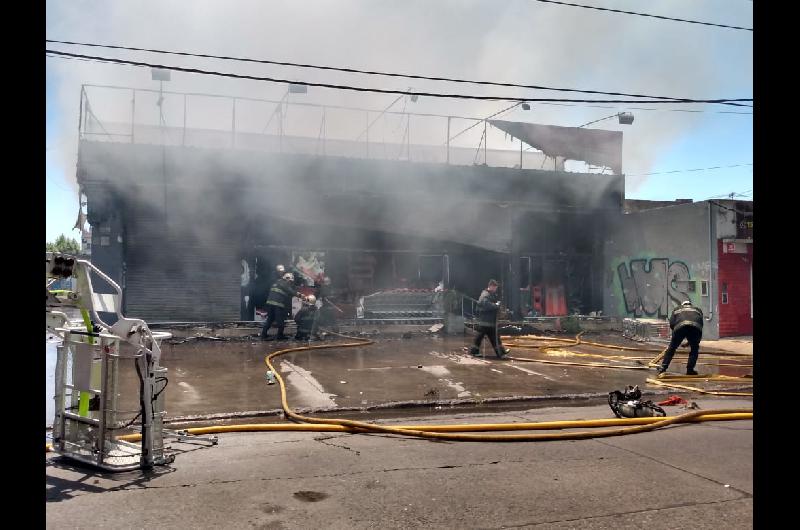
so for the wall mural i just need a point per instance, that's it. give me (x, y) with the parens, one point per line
(649, 284)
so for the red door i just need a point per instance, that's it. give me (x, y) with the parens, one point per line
(735, 289)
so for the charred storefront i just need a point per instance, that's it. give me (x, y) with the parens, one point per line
(195, 233)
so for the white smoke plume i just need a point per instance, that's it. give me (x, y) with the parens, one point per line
(520, 41)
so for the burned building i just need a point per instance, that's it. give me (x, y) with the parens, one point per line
(192, 222)
(659, 256)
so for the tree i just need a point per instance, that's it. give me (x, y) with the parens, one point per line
(65, 245)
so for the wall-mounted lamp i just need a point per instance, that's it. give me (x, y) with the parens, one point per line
(160, 74)
(625, 118)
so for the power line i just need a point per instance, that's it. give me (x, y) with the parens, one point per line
(646, 108)
(746, 214)
(688, 170)
(329, 106)
(376, 90)
(371, 72)
(644, 15)
(481, 121)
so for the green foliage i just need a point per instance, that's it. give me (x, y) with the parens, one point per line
(64, 244)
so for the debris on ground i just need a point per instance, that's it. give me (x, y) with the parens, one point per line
(196, 337)
(432, 394)
(673, 400)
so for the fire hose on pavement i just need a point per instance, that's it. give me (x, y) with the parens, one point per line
(457, 432)
(546, 345)
(634, 424)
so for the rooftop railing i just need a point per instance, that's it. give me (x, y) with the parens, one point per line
(162, 117)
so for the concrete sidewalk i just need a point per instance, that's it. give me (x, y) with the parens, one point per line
(686, 476)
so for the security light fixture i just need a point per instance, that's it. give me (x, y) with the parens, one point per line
(160, 74)
(625, 118)
(295, 88)
(526, 106)
(414, 98)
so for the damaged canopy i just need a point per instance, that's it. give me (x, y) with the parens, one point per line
(598, 147)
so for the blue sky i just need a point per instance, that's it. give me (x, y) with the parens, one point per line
(513, 40)
(720, 140)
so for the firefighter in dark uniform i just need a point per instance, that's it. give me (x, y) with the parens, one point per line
(686, 322)
(488, 304)
(306, 319)
(279, 303)
(327, 313)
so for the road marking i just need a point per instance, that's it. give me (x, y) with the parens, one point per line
(312, 394)
(532, 372)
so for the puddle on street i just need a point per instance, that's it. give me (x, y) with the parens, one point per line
(218, 377)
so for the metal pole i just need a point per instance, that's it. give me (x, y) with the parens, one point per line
(280, 127)
(448, 139)
(183, 139)
(85, 111)
(324, 130)
(133, 114)
(80, 113)
(133, 99)
(520, 153)
(161, 106)
(367, 134)
(408, 139)
(233, 124)
(485, 141)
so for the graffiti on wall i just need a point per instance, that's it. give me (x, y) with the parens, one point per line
(648, 285)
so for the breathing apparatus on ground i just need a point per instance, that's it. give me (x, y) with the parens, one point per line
(628, 404)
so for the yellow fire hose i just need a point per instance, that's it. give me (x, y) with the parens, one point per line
(565, 353)
(443, 432)
(469, 427)
(426, 432)
(667, 381)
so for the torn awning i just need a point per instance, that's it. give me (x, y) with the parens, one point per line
(597, 147)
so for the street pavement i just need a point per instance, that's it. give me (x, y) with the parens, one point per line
(683, 476)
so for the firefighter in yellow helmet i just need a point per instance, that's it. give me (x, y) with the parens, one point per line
(278, 303)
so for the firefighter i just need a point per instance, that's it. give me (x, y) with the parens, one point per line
(488, 305)
(306, 319)
(686, 322)
(279, 303)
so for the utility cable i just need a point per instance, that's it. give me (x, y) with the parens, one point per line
(483, 120)
(644, 15)
(365, 72)
(736, 102)
(688, 170)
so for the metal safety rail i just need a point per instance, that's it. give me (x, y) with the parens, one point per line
(295, 125)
